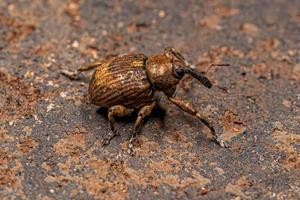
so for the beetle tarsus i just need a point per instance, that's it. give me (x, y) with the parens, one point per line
(73, 75)
(221, 142)
(91, 66)
(131, 148)
(143, 112)
(109, 137)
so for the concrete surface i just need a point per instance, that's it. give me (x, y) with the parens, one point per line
(50, 136)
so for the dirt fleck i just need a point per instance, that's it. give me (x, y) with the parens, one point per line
(27, 130)
(219, 170)
(203, 191)
(232, 126)
(287, 103)
(71, 144)
(161, 13)
(227, 12)
(296, 72)
(145, 146)
(237, 188)
(47, 198)
(43, 49)
(50, 107)
(196, 181)
(46, 166)
(261, 70)
(166, 166)
(26, 145)
(177, 138)
(5, 137)
(250, 29)
(270, 44)
(72, 10)
(212, 22)
(285, 142)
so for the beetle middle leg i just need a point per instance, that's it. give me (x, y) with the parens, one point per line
(187, 107)
(143, 112)
(118, 111)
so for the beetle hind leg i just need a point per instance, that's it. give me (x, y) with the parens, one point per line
(91, 66)
(74, 75)
(143, 112)
(118, 111)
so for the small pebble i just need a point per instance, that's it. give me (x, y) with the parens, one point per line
(161, 14)
(75, 44)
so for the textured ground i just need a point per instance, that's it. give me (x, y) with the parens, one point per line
(50, 136)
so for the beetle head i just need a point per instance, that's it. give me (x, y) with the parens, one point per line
(166, 70)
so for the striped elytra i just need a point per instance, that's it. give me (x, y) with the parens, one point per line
(121, 81)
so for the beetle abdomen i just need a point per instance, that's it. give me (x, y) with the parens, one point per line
(122, 81)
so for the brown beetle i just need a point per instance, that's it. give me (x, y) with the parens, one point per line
(127, 83)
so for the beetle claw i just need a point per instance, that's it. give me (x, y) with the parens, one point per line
(105, 142)
(130, 149)
(70, 74)
(221, 142)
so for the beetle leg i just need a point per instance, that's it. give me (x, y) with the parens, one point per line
(91, 66)
(74, 75)
(187, 107)
(118, 111)
(143, 112)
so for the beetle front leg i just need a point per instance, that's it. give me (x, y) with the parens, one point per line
(143, 112)
(188, 107)
(118, 111)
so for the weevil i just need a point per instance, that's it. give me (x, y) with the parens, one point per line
(127, 83)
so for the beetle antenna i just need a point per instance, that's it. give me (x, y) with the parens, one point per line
(213, 65)
(204, 80)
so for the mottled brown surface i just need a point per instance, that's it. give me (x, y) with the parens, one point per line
(50, 137)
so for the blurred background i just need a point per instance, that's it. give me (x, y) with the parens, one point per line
(50, 136)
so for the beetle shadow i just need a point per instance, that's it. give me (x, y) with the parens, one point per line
(157, 113)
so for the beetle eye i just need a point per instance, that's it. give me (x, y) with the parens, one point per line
(179, 72)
